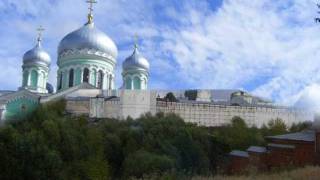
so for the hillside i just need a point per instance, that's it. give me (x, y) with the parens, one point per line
(310, 173)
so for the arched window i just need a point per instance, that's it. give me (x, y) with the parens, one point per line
(44, 82)
(145, 83)
(136, 83)
(34, 78)
(128, 83)
(60, 81)
(71, 77)
(100, 79)
(25, 78)
(40, 79)
(86, 75)
(110, 82)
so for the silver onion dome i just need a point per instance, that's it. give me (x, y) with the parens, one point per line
(88, 37)
(136, 60)
(37, 56)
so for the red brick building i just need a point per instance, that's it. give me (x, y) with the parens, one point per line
(295, 149)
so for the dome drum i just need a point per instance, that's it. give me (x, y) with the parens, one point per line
(71, 55)
(133, 71)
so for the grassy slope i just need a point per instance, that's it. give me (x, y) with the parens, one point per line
(308, 173)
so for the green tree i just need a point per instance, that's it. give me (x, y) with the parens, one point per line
(277, 127)
(54, 145)
(297, 127)
(238, 135)
(191, 94)
(170, 97)
(142, 163)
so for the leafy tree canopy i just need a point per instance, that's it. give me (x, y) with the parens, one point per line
(170, 97)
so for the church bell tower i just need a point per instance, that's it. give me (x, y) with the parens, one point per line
(35, 68)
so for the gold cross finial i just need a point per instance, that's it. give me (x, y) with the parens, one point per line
(136, 40)
(40, 29)
(90, 16)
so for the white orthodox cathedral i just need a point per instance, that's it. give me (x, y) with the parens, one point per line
(87, 59)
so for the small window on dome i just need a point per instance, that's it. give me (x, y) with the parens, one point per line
(86, 75)
(34, 78)
(60, 81)
(100, 79)
(128, 84)
(136, 83)
(25, 78)
(71, 77)
(110, 82)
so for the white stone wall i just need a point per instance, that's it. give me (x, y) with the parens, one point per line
(97, 108)
(78, 107)
(100, 108)
(112, 109)
(131, 103)
(85, 93)
(217, 115)
(134, 103)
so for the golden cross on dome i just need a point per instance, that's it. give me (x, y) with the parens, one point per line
(40, 29)
(136, 40)
(90, 16)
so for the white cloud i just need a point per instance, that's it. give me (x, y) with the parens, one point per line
(245, 42)
(309, 98)
(268, 47)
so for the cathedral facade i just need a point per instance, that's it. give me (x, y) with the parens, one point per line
(87, 58)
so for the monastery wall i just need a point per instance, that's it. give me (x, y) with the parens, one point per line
(217, 115)
(78, 107)
(135, 103)
(131, 103)
(100, 108)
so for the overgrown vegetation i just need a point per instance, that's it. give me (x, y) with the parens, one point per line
(54, 145)
(296, 174)
(238, 135)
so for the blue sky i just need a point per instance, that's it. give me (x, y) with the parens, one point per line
(267, 47)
